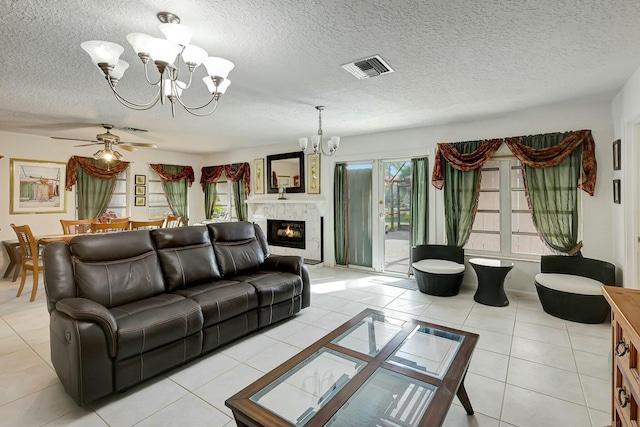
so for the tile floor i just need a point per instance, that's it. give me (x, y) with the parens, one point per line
(528, 370)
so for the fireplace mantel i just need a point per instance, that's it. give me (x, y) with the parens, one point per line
(269, 201)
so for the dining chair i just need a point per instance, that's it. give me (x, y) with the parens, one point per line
(76, 226)
(119, 220)
(173, 221)
(146, 225)
(109, 227)
(30, 257)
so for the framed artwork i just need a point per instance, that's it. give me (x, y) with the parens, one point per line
(258, 176)
(141, 201)
(616, 191)
(314, 173)
(37, 186)
(141, 190)
(616, 155)
(141, 179)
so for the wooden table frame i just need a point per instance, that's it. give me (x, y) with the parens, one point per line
(249, 414)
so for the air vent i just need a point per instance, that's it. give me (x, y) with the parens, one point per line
(368, 67)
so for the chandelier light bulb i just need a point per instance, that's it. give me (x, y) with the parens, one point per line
(303, 143)
(162, 50)
(177, 33)
(102, 52)
(222, 87)
(218, 67)
(119, 69)
(194, 55)
(138, 42)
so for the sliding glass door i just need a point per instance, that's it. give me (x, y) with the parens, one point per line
(396, 182)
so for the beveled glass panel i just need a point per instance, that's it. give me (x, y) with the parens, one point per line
(370, 334)
(298, 395)
(386, 399)
(428, 350)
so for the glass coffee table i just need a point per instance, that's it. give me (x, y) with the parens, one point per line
(374, 370)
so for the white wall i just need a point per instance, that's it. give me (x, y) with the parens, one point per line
(13, 145)
(596, 220)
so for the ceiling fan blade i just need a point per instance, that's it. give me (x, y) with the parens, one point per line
(140, 144)
(127, 148)
(75, 139)
(86, 145)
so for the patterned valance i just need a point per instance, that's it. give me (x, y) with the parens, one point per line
(187, 173)
(92, 167)
(234, 173)
(537, 158)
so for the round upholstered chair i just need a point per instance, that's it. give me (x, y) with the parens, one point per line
(569, 287)
(438, 269)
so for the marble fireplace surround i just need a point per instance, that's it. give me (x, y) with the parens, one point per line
(308, 210)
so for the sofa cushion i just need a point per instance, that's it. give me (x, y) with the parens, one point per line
(222, 300)
(438, 266)
(236, 247)
(569, 283)
(151, 323)
(276, 288)
(116, 268)
(186, 256)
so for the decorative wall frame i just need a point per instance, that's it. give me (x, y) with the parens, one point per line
(141, 180)
(313, 161)
(141, 190)
(616, 191)
(258, 176)
(617, 165)
(140, 201)
(37, 186)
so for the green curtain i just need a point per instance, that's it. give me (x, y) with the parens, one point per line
(460, 197)
(359, 236)
(176, 193)
(340, 189)
(210, 195)
(419, 215)
(93, 194)
(553, 195)
(240, 195)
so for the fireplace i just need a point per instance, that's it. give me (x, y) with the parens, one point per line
(286, 233)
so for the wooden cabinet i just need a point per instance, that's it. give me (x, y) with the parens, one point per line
(625, 343)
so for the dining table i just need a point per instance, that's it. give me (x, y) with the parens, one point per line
(52, 238)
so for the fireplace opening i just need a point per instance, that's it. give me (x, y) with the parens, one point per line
(286, 233)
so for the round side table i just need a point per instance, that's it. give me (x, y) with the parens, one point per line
(491, 274)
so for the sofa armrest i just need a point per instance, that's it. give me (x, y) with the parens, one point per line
(87, 310)
(287, 263)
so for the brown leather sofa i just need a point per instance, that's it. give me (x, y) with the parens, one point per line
(127, 306)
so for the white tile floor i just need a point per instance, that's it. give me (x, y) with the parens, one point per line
(529, 369)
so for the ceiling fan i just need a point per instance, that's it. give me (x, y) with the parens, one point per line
(110, 141)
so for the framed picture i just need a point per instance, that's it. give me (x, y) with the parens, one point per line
(616, 191)
(314, 173)
(141, 179)
(616, 155)
(141, 190)
(258, 176)
(37, 186)
(141, 201)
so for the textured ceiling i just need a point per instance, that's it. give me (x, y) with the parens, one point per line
(454, 60)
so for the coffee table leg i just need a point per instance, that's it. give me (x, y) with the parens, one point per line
(464, 398)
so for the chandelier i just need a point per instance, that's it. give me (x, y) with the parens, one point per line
(316, 140)
(166, 55)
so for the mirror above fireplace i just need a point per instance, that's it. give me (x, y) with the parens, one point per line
(286, 171)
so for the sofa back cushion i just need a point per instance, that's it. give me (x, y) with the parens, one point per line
(116, 268)
(186, 256)
(236, 247)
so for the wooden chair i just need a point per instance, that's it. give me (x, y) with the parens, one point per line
(119, 220)
(173, 221)
(30, 257)
(109, 227)
(146, 225)
(78, 226)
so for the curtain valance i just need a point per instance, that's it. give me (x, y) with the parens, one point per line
(234, 173)
(537, 158)
(165, 175)
(92, 168)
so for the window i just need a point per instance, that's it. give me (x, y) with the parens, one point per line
(225, 208)
(118, 202)
(158, 204)
(503, 223)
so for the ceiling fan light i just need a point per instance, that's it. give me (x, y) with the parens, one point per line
(108, 155)
(194, 55)
(98, 154)
(117, 155)
(102, 52)
(218, 67)
(138, 42)
(119, 69)
(177, 33)
(162, 50)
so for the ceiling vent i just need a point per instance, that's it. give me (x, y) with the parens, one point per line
(368, 67)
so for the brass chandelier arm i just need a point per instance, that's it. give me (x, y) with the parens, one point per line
(134, 105)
